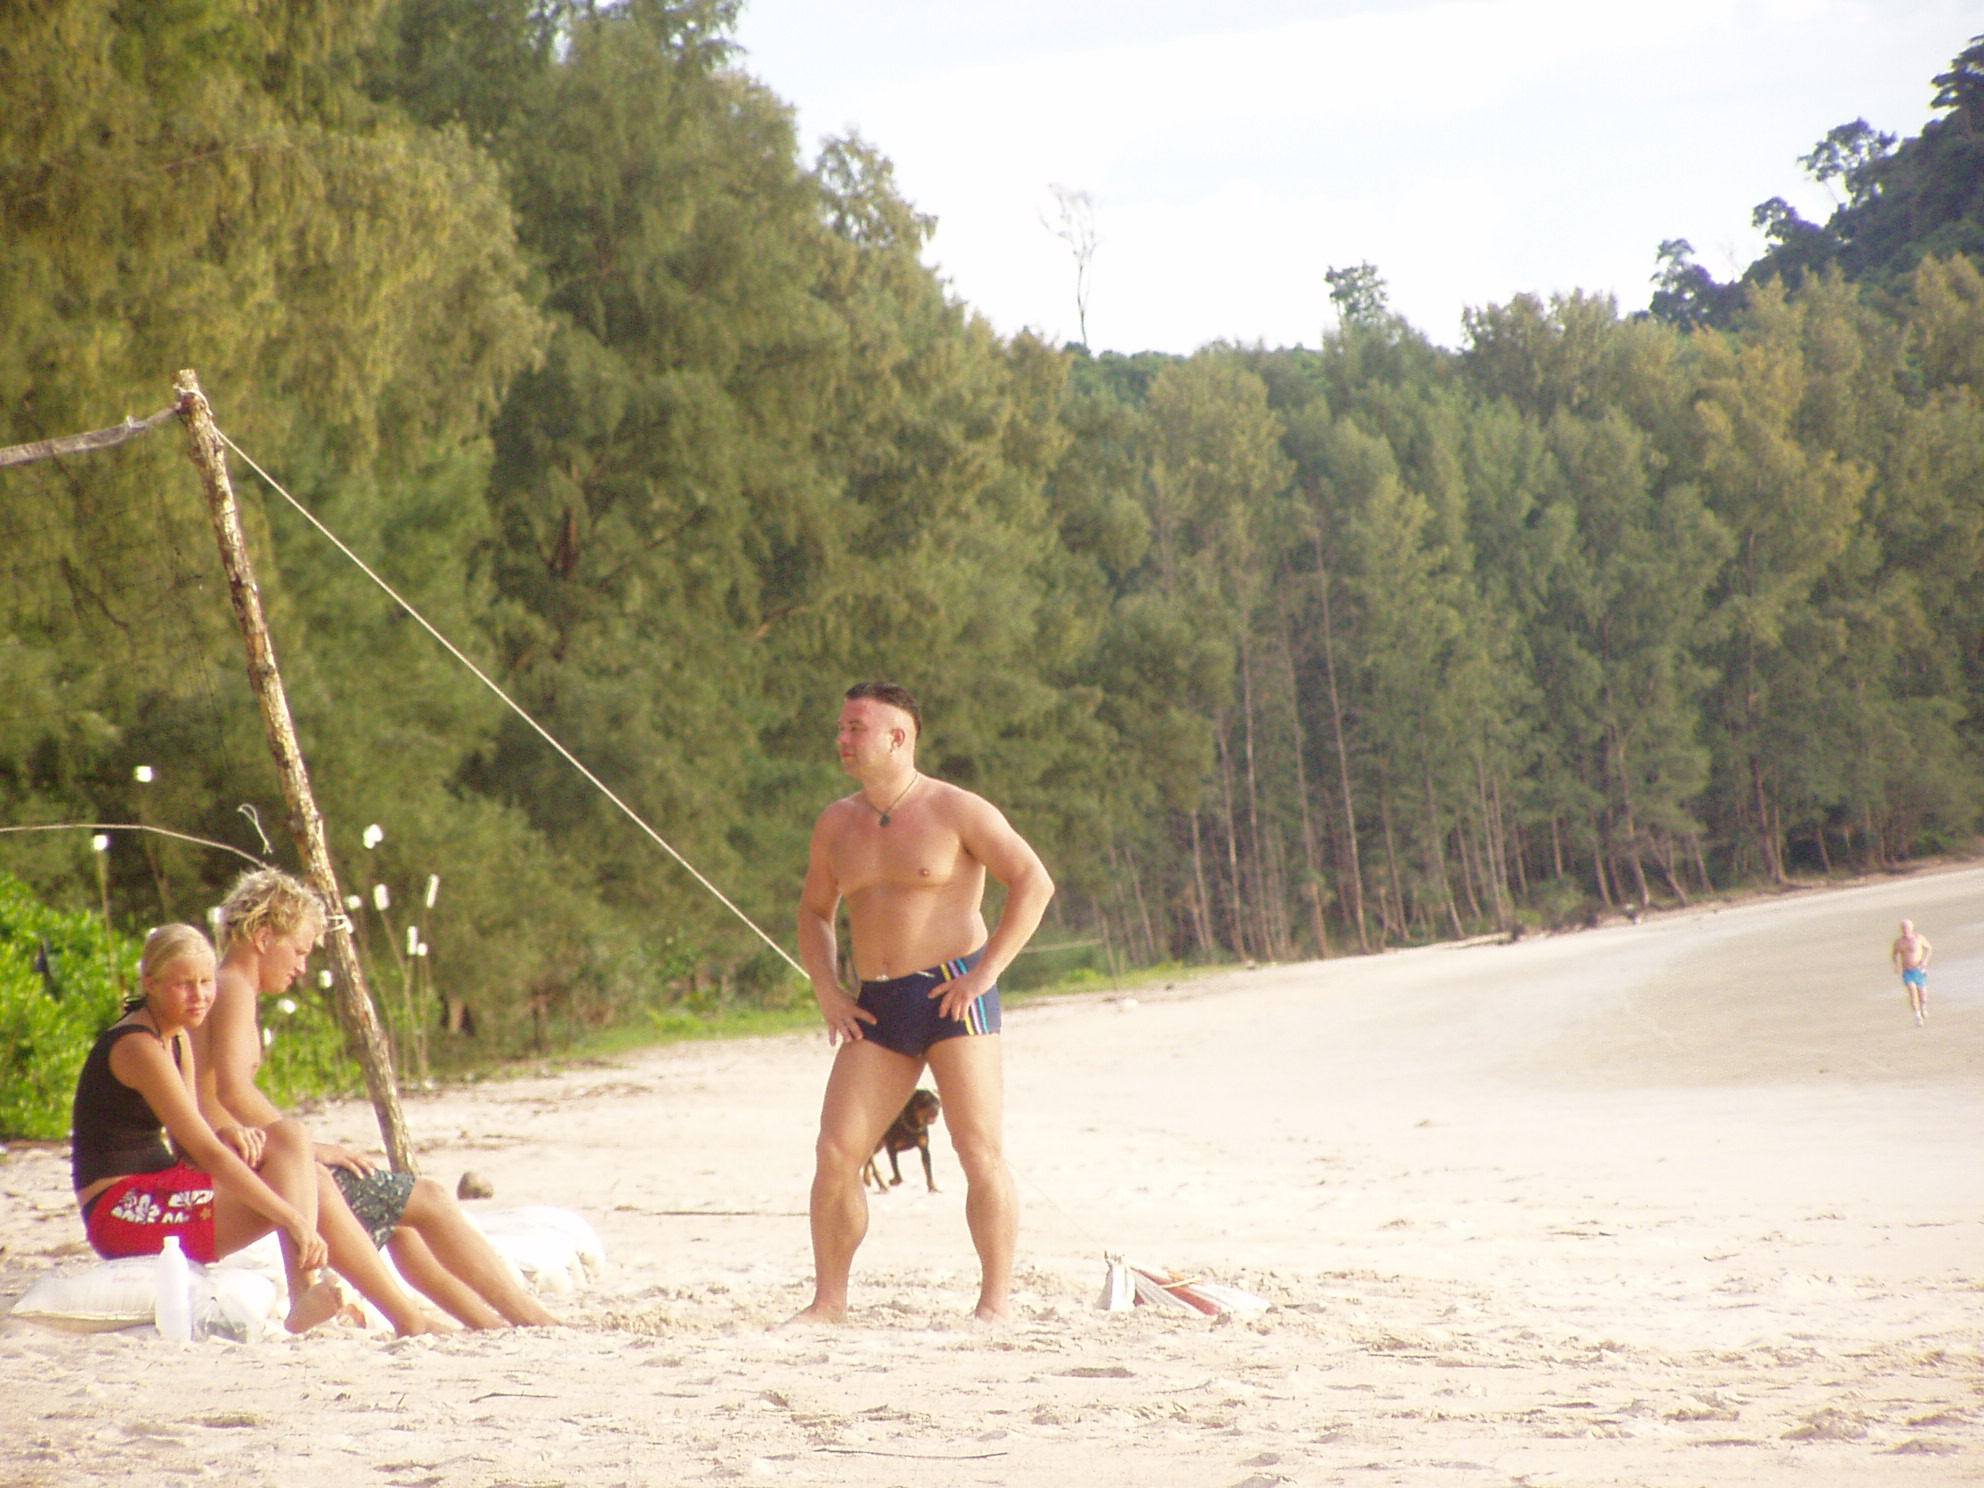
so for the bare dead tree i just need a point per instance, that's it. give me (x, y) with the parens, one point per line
(1073, 222)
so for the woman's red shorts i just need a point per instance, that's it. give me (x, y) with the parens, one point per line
(133, 1216)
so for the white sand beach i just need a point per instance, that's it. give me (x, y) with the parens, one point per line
(1688, 1202)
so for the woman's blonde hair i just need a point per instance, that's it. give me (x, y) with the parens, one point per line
(167, 946)
(268, 899)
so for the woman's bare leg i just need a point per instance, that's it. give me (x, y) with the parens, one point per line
(464, 1254)
(289, 1166)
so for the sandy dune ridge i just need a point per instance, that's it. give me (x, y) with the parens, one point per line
(1688, 1202)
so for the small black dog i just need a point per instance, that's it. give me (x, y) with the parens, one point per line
(910, 1129)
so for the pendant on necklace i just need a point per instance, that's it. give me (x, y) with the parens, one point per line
(884, 814)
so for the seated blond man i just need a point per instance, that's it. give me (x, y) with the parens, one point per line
(269, 924)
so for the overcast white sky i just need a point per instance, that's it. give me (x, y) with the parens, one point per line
(1471, 149)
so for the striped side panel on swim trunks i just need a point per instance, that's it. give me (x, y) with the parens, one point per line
(949, 971)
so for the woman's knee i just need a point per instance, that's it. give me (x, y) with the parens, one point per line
(287, 1136)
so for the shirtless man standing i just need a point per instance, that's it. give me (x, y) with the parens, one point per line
(910, 855)
(1910, 955)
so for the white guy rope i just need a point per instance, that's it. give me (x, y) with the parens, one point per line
(140, 827)
(76, 444)
(509, 702)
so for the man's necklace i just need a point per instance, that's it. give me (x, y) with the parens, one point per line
(884, 815)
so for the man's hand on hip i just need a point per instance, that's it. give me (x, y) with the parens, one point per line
(842, 1014)
(961, 992)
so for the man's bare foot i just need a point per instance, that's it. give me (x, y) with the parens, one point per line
(424, 1322)
(992, 1317)
(320, 1302)
(818, 1315)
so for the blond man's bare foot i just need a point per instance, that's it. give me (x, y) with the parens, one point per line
(989, 1316)
(422, 1323)
(321, 1301)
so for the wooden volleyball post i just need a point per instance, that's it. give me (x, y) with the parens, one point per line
(306, 825)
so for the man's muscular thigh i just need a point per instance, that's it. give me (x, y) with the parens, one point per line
(864, 1094)
(970, 1076)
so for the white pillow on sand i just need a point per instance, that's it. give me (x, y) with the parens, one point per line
(114, 1294)
(554, 1250)
(539, 1240)
(265, 1256)
(235, 1301)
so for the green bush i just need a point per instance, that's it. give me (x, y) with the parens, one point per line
(304, 1053)
(49, 1019)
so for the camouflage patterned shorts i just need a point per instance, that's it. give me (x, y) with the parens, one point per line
(378, 1199)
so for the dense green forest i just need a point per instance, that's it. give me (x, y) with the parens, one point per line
(1273, 652)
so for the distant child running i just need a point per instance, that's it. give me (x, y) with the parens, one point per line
(1911, 958)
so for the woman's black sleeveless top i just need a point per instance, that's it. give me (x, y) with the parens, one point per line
(113, 1130)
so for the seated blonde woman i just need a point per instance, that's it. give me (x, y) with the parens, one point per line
(270, 923)
(140, 1076)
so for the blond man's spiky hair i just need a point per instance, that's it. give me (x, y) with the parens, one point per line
(268, 899)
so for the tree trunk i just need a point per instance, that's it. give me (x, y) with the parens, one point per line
(1766, 836)
(1356, 874)
(1235, 905)
(1264, 902)
(1663, 855)
(1143, 908)
(1519, 854)
(306, 825)
(1391, 854)
(1472, 870)
(1201, 906)
(1493, 846)
(1117, 875)
(1311, 859)
(1282, 937)
(1436, 857)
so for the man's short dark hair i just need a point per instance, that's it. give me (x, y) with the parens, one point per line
(894, 694)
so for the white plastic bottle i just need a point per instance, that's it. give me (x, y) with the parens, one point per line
(173, 1308)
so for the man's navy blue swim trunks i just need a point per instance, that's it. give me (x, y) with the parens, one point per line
(906, 1016)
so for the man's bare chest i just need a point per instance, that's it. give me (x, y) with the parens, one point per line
(899, 856)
